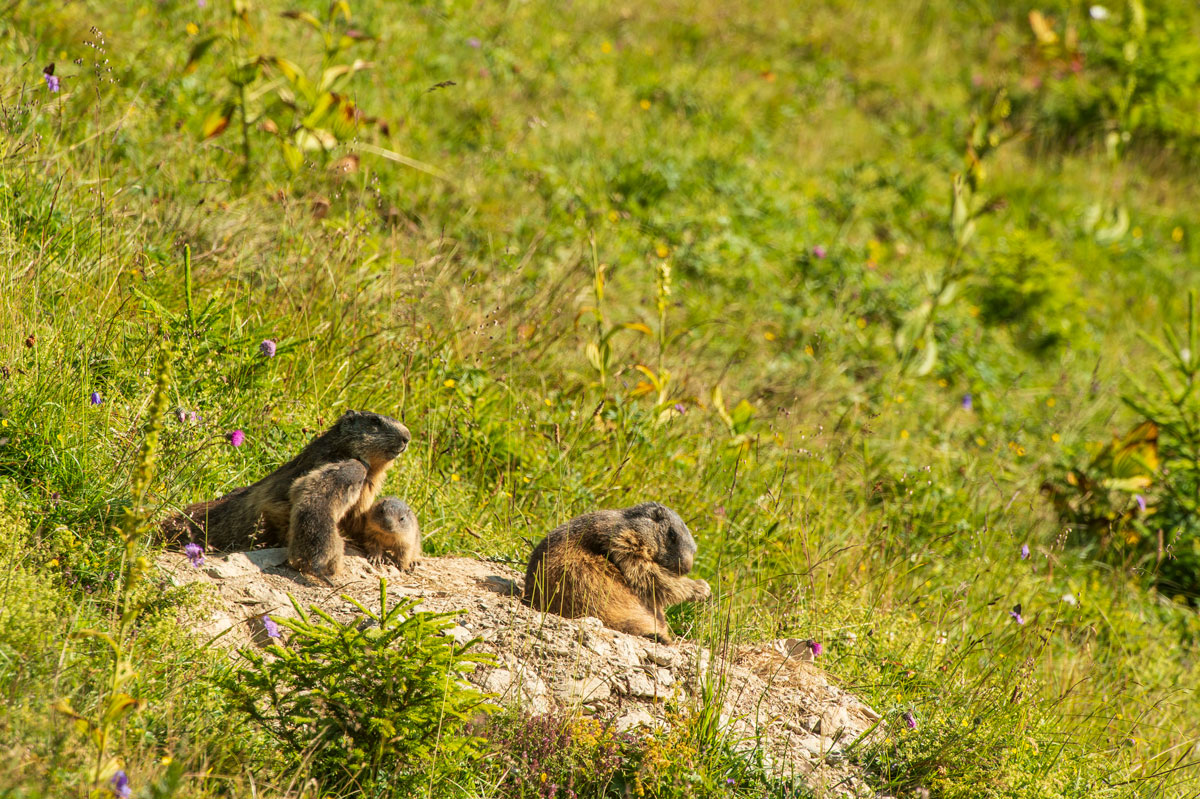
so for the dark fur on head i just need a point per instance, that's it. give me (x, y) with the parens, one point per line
(359, 435)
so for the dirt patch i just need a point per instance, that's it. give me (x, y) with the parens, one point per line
(775, 698)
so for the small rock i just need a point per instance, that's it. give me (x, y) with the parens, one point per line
(590, 689)
(638, 717)
(266, 558)
(230, 566)
(625, 653)
(498, 682)
(531, 684)
(460, 634)
(812, 745)
(832, 720)
(664, 677)
(638, 684)
(662, 655)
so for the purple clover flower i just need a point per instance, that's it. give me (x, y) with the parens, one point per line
(237, 438)
(53, 84)
(267, 348)
(1024, 551)
(1141, 502)
(474, 42)
(119, 785)
(1016, 615)
(679, 406)
(816, 647)
(819, 251)
(271, 627)
(968, 403)
(910, 720)
(96, 399)
(195, 554)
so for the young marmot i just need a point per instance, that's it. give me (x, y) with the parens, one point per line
(310, 502)
(391, 530)
(622, 566)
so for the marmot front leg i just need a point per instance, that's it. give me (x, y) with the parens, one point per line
(319, 501)
(657, 585)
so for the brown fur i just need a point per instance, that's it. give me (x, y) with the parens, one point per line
(623, 566)
(391, 530)
(327, 491)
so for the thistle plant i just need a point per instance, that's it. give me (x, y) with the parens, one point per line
(106, 774)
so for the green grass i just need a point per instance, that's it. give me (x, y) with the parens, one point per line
(848, 499)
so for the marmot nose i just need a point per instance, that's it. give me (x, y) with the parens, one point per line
(403, 438)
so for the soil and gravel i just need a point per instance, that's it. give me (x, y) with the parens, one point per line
(775, 697)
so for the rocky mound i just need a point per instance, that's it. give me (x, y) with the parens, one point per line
(775, 698)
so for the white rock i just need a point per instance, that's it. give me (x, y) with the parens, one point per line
(662, 655)
(590, 623)
(460, 634)
(626, 653)
(638, 684)
(230, 566)
(266, 558)
(589, 689)
(498, 682)
(833, 720)
(637, 717)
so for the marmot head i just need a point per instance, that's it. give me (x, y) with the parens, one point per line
(371, 437)
(394, 516)
(665, 535)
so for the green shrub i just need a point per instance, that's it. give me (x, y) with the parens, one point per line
(1137, 498)
(1022, 286)
(374, 704)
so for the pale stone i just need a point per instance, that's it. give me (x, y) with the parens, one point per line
(640, 685)
(267, 558)
(589, 689)
(637, 717)
(460, 634)
(498, 682)
(228, 567)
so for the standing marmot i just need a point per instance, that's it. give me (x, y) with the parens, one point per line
(623, 566)
(310, 502)
(391, 529)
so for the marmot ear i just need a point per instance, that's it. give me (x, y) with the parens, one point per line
(658, 512)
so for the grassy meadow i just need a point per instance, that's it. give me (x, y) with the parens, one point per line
(890, 301)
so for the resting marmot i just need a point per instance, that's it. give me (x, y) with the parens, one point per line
(622, 566)
(310, 502)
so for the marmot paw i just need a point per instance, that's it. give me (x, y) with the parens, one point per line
(701, 591)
